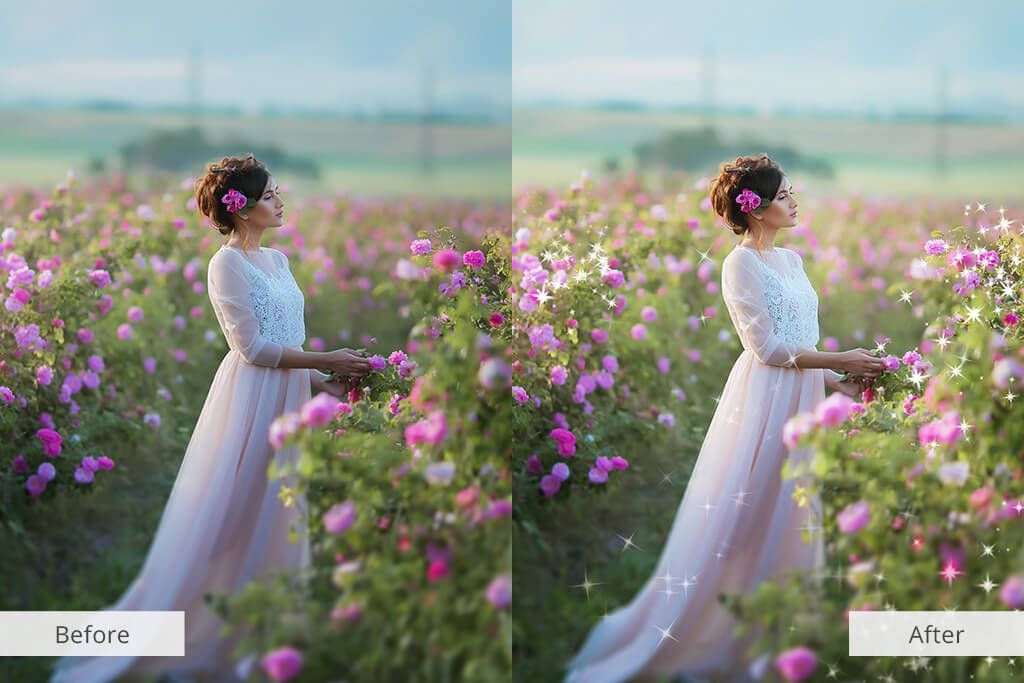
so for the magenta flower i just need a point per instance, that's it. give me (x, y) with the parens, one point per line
(474, 259)
(47, 471)
(234, 200)
(36, 484)
(748, 200)
(319, 410)
(534, 465)
(935, 247)
(420, 247)
(620, 463)
(19, 464)
(446, 259)
(99, 278)
(833, 411)
(597, 475)
(499, 592)
(51, 441)
(558, 375)
(377, 363)
(566, 441)
(83, 476)
(796, 664)
(340, 517)
(599, 336)
(520, 395)
(649, 314)
(432, 430)
(560, 470)
(854, 517)
(6, 395)
(614, 278)
(639, 332)
(1012, 592)
(282, 664)
(890, 363)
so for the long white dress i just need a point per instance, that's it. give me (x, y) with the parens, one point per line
(223, 524)
(738, 524)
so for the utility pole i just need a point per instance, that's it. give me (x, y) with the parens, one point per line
(708, 88)
(426, 123)
(192, 88)
(942, 119)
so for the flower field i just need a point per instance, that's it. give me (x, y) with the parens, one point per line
(108, 346)
(622, 343)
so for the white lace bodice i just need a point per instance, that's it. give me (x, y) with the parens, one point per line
(278, 304)
(771, 302)
(258, 304)
(792, 303)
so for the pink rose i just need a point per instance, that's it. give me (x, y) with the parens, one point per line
(854, 517)
(51, 441)
(566, 441)
(340, 517)
(318, 411)
(282, 664)
(833, 411)
(446, 260)
(499, 592)
(1012, 592)
(796, 664)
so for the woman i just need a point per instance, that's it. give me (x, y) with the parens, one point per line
(738, 524)
(223, 525)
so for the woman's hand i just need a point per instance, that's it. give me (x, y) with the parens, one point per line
(860, 362)
(346, 362)
(338, 387)
(851, 387)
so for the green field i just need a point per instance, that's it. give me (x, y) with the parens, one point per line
(984, 161)
(365, 158)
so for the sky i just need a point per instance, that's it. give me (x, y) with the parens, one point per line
(767, 55)
(346, 54)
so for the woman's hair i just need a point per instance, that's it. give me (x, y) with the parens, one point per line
(758, 173)
(244, 173)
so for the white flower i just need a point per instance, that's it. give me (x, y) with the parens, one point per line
(954, 472)
(439, 472)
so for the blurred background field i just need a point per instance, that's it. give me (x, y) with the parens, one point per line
(982, 160)
(362, 157)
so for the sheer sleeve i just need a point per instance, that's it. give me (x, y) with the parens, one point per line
(743, 290)
(232, 302)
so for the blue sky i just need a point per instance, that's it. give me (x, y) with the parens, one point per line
(344, 54)
(848, 56)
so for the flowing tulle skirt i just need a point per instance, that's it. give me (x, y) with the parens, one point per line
(737, 526)
(223, 525)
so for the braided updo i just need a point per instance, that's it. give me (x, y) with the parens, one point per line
(758, 173)
(244, 173)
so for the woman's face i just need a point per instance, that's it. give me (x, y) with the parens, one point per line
(268, 212)
(782, 212)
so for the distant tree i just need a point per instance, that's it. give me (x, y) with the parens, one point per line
(186, 149)
(702, 149)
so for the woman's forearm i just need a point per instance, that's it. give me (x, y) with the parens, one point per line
(293, 358)
(828, 360)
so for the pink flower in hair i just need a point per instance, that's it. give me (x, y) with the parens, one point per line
(748, 200)
(234, 200)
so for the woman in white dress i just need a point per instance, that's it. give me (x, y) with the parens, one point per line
(223, 524)
(738, 524)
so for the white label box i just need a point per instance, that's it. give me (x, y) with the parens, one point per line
(92, 634)
(892, 633)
